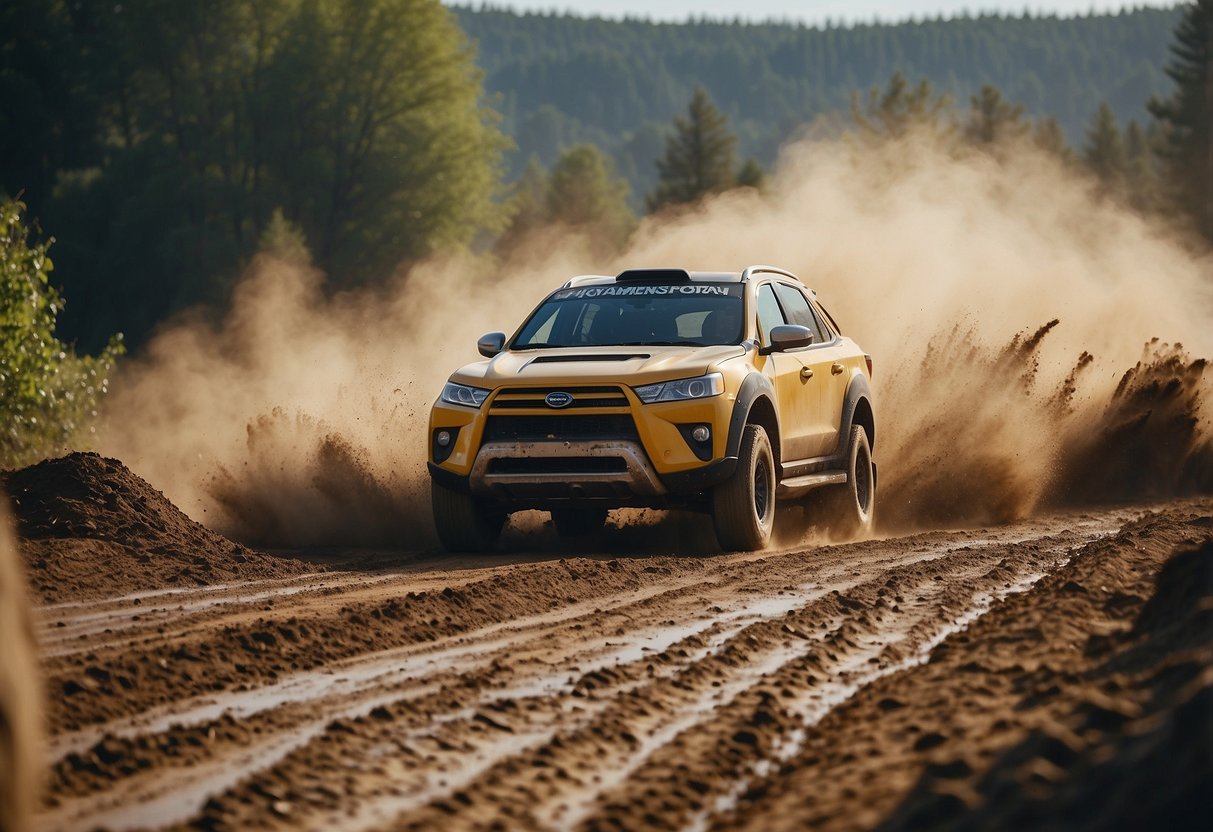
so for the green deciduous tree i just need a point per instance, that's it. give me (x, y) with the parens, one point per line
(48, 114)
(48, 395)
(1187, 116)
(700, 156)
(581, 194)
(362, 120)
(390, 154)
(584, 194)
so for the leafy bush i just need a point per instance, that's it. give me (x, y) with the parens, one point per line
(48, 394)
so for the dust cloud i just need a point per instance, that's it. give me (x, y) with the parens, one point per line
(1006, 306)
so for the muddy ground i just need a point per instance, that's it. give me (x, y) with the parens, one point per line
(1053, 672)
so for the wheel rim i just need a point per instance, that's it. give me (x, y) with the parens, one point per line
(762, 490)
(863, 481)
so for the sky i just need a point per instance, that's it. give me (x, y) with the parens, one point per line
(809, 11)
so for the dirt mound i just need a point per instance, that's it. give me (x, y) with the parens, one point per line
(89, 528)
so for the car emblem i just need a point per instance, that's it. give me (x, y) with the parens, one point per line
(558, 399)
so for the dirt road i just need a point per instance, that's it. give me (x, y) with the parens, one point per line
(845, 686)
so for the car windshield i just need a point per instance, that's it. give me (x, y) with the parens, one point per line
(687, 314)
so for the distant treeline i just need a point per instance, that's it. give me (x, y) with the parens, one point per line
(163, 144)
(150, 149)
(561, 79)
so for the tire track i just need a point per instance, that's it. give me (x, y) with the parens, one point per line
(562, 717)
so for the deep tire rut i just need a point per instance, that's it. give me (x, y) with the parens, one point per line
(581, 693)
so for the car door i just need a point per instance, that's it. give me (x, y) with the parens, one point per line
(836, 363)
(794, 388)
(824, 360)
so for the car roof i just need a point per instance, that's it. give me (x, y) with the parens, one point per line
(678, 275)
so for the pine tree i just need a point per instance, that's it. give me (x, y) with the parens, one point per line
(1187, 114)
(751, 175)
(699, 156)
(992, 119)
(900, 107)
(1140, 175)
(1104, 152)
(285, 241)
(1049, 137)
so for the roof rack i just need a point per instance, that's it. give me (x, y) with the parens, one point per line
(584, 278)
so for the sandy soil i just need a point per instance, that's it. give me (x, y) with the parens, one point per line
(1055, 672)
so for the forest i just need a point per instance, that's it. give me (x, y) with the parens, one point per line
(150, 149)
(559, 79)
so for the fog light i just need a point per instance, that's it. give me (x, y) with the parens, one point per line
(701, 433)
(443, 438)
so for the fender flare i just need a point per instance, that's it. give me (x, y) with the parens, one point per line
(755, 386)
(858, 390)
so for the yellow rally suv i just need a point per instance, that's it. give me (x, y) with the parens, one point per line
(709, 391)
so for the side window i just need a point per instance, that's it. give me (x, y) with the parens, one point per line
(826, 314)
(797, 308)
(769, 313)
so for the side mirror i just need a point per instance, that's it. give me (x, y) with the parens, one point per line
(492, 343)
(788, 337)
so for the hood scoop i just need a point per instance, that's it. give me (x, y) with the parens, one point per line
(567, 359)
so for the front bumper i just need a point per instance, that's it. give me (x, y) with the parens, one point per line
(623, 454)
(678, 489)
(574, 470)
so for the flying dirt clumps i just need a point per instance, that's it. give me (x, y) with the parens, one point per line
(1149, 440)
(89, 527)
(1007, 443)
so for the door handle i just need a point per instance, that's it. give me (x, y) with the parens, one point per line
(806, 373)
(836, 368)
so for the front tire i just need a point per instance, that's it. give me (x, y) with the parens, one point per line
(743, 506)
(464, 523)
(847, 510)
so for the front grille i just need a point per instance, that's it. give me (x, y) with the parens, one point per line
(559, 427)
(559, 465)
(534, 397)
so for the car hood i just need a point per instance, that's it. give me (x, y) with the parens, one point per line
(588, 365)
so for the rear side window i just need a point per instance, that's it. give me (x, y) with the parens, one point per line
(796, 307)
(769, 313)
(826, 313)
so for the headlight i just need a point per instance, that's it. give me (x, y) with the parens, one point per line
(462, 394)
(684, 388)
